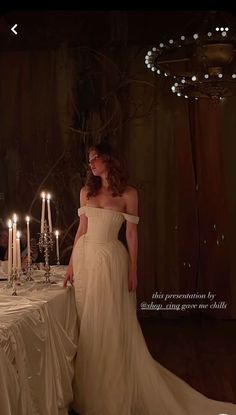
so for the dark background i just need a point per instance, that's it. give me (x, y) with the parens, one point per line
(71, 77)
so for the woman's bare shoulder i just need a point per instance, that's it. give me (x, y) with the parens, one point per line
(131, 200)
(130, 194)
(84, 190)
(83, 195)
(130, 191)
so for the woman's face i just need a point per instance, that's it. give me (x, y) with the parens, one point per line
(96, 163)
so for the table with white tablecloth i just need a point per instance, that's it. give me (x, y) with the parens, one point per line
(38, 343)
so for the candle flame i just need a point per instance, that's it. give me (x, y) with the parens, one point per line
(57, 234)
(43, 195)
(9, 223)
(18, 234)
(48, 196)
(14, 218)
(27, 218)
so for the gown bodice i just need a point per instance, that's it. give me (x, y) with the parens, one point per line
(104, 224)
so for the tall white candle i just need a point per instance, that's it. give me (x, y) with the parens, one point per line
(9, 254)
(49, 212)
(43, 211)
(28, 240)
(18, 263)
(57, 246)
(14, 218)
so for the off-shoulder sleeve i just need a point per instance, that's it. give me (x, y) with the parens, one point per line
(81, 210)
(131, 218)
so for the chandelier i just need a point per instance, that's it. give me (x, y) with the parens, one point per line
(201, 64)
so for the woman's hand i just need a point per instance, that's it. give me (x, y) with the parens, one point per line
(68, 276)
(132, 280)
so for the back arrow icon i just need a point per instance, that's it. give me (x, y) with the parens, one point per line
(13, 29)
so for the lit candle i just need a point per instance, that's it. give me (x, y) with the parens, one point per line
(57, 247)
(18, 265)
(9, 254)
(49, 212)
(43, 211)
(14, 218)
(28, 240)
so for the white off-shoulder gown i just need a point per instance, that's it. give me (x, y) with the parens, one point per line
(115, 374)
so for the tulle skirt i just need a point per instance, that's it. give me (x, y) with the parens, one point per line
(115, 373)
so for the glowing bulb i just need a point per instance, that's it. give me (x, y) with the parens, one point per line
(206, 76)
(217, 29)
(221, 29)
(161, 45)
(9, 223)
(158, 71)
(195, 36)
(209, 34)
(153, 68)
(194, 78)
(220, 75)
(171, 41)
(154, 49)
(179, 94)
(183, 81)
(14, 218)
(223, 34)
(226, 29)
(234, 75)
(182, 38)
(149, 65)
(149, 53)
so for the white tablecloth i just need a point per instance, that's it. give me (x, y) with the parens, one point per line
(38, 342)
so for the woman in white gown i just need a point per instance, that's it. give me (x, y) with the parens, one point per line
(114, 372)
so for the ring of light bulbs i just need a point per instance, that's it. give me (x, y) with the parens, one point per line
(182, 82)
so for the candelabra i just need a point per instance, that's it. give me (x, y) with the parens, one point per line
(29, 271)
(46, 245)
(12, 278)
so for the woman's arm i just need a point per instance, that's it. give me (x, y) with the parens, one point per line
(132, 237)
(82, 229)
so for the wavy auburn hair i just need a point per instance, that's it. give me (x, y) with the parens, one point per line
(116, 175)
